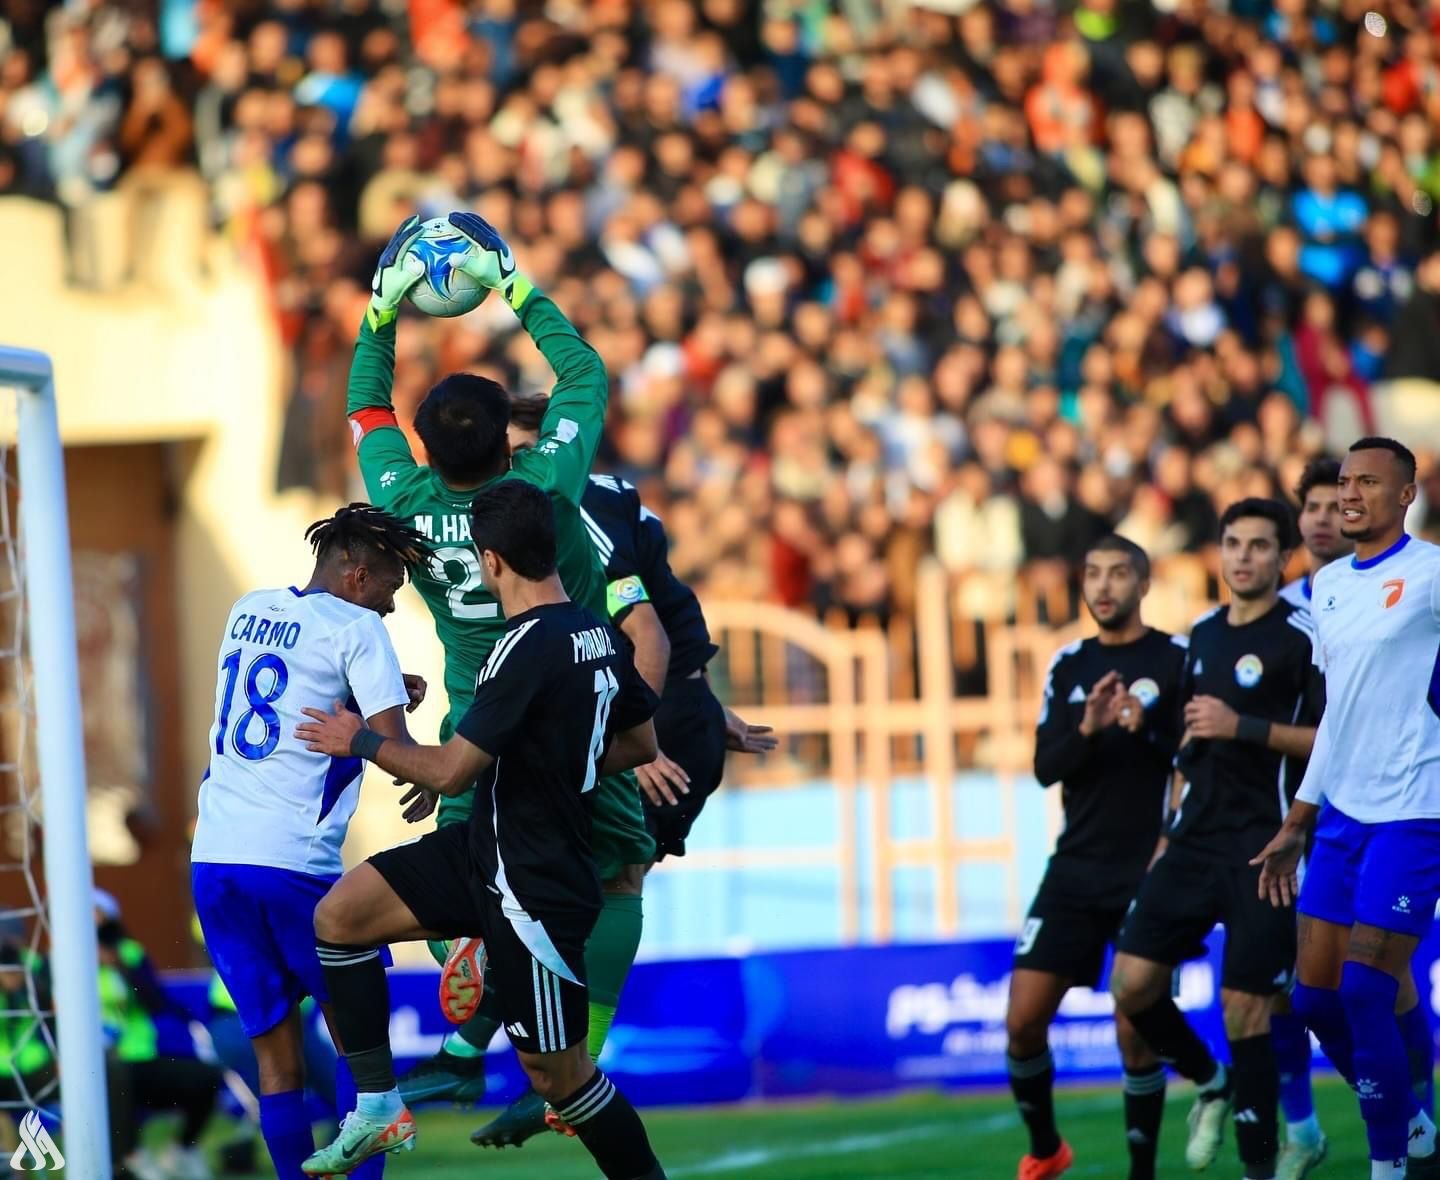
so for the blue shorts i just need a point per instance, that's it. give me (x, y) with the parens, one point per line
(259, 925)
(1385, 875)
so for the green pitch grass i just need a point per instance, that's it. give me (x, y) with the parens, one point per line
(919, 1137)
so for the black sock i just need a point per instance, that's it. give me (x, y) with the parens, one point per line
(1170, 1037)
(360, 998)
(606, 1123)
(1033, 1083)
(1257, 1094)
(1144, 1108)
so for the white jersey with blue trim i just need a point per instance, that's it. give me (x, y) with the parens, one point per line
(1377, 640)
(1297, 593)
(266, 799)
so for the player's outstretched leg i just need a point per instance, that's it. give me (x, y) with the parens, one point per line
(361, 912)
(1141, 988)
(1144, 1099)
(1034, 999)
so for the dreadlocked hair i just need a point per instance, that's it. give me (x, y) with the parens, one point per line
(363, 528)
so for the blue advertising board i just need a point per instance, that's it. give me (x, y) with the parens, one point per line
(858, 1020)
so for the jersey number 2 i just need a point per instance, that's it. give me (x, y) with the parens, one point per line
(606, 688)
(469, 580)
(261, 701)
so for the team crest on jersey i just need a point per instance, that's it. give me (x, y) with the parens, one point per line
(1329, 603)
(1248, 670)
(1393, 591)
(1146, 691)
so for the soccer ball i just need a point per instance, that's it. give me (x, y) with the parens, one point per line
(442, 290)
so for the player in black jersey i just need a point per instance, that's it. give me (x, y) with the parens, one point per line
(661, 616)
(1252, 700)
(557, 704)
(1108, 731)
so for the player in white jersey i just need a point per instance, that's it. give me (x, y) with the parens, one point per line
(1373, 879)
(273, 814)
(1305, 1143)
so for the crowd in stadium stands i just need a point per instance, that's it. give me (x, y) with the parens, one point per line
(872, 279)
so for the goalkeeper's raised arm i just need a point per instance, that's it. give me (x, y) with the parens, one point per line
(570, 433)
(379, 442)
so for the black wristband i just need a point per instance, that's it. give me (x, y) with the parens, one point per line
(366, 744)
(1253, 729)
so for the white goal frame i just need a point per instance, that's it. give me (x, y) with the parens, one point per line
(69, 877)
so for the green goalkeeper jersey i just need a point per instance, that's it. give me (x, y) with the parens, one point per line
(467, 617)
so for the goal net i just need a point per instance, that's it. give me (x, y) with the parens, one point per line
(48, 959)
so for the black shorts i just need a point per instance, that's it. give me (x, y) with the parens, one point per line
(690, 727)
(535, 962)
(1186, 895)
(1076, 914)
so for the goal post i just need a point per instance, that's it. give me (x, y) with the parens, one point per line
(49, 623)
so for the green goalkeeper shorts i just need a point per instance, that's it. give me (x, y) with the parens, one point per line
(618, 835)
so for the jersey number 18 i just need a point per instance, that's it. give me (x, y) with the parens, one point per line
(261, 702)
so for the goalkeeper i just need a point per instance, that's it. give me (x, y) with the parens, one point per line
(462, 423)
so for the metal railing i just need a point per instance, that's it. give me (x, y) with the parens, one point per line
(859, 708)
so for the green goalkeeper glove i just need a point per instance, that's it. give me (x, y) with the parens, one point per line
(394, 275)
(491, 264)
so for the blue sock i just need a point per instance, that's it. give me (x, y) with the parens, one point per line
(1322, 1011)
(286, 1131)
(345, 1098)
(1420, 1044)
(1291, 1040)
(1382, 1066)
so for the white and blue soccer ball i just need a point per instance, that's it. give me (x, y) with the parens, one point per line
(443, 290)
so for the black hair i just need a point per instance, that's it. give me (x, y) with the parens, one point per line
(1321, 472)
(1287, 533)
(516, 520)
(1114, 543)
(527, 411)
(1403, 455)
(362, 530)
(462, 423)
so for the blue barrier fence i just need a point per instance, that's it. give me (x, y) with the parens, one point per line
(860, 1020)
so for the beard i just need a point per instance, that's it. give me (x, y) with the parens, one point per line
(1118, 621)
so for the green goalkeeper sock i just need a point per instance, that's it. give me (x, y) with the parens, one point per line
(602, 1016)
(608, 955)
